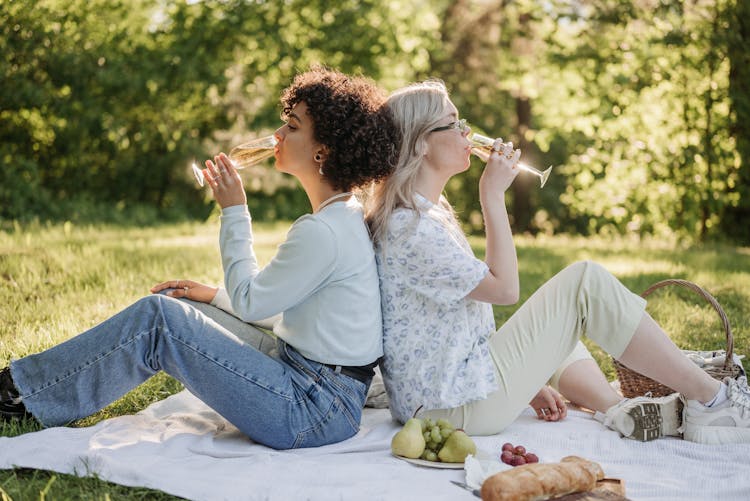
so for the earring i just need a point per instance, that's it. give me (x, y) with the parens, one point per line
(317, 157)
(320, 171)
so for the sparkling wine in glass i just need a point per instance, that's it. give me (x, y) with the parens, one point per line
(481, 146)
(243, 156)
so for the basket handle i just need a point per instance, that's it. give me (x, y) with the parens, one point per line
(728, 363)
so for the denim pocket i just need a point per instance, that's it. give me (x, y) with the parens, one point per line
(332, 405)
(335, 426)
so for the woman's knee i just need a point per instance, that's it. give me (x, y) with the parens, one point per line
(160, 305)
(588, 270)
(155, 302)
(583, 267)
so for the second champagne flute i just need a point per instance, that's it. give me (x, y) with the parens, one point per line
(243, 156)
(481, 146)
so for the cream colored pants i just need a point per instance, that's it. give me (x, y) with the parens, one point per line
(543, 337)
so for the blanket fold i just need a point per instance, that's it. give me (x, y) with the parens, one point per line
(182, 447)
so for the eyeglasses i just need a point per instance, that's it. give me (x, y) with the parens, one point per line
(459, 125)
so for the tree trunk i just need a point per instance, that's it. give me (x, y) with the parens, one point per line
(735, 221)
(521, 186)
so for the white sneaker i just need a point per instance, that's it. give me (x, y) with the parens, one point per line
(646, 418)
(727, 423)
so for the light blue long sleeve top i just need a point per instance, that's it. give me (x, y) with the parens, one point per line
(323, 283)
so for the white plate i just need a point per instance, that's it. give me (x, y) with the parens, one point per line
(437, 464)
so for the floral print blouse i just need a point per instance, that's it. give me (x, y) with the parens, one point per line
(436, 353)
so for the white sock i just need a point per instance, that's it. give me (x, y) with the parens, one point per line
(719, 398)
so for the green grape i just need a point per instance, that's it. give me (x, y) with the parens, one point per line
(424, 454)
(423, 424)
(436, 436)
(444, 423)
(427, 436)
(433, 446)
(430, 456)
(446, 432)
(428, 424)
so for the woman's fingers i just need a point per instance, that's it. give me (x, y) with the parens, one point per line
(172, 284)
(159, 287)
(226, 164)
(222, 170)
(515, 157)
(551, 414)
(561, 406)
(213, 174)
(169, 284)
(556, 406)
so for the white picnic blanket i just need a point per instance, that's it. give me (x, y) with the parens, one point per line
(182, 447)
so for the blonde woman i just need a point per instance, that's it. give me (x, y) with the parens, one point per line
(442, 352)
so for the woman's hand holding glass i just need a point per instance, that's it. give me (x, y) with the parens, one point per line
(501, 169)
(225, 182)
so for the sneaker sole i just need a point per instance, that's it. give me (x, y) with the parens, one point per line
(656, 419)
(8, 413)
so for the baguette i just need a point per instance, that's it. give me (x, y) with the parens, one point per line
(538, 481)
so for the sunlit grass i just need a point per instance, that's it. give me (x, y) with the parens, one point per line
(59, 280)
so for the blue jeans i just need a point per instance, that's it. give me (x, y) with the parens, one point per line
(282, 400)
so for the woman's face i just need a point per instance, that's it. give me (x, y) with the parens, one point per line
(448, 149)
(296, 148)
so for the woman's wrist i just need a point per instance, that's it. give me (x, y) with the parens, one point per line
(490, 200)
(238, 208)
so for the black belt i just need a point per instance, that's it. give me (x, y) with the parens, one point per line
(363, 373)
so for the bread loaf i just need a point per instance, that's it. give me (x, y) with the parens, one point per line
(537, 481)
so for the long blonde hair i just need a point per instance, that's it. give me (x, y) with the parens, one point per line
(416, 110)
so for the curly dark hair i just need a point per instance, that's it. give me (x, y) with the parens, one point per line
(350, 119)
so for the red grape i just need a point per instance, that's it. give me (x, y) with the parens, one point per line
(506, 457)
(516, 455)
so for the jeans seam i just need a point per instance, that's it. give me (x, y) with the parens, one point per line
(335, 407)
(348, 415)
(349, 391)
(85, 365)
(334, 379)
(292, 362)
(134, 339)
(233, 371)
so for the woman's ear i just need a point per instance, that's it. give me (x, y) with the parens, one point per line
(420, 148)
(320, 154)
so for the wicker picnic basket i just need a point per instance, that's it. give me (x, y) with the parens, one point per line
(633, 384)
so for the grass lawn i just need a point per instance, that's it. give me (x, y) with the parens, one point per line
(57, 281)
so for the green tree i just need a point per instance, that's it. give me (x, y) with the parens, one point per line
(105, 103)
(644, 111)
(103, 99)
(491, 57)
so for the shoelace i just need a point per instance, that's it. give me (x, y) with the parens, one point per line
(607, 417)
(739, 394)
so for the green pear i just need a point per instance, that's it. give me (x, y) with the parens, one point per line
(409, 441)
(457, 446)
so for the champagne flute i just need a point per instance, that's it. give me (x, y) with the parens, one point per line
(481, 146)
(244, 155)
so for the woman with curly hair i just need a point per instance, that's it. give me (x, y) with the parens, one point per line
(305, 384)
